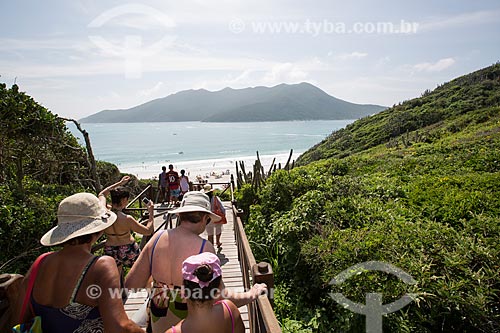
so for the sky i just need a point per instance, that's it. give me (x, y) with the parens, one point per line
(82, 56)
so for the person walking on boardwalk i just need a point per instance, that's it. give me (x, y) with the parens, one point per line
(217, 208)
(162, 185)
(119, 243)
(162, 259)
(202, 276)
(184, 182)
(62, 285)
(173, 182)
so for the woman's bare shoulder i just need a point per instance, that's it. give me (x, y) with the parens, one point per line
(105, 266)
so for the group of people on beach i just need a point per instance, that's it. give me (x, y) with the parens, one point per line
(172, 186)
(72, 290)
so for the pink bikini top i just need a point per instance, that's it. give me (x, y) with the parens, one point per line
(230, 314)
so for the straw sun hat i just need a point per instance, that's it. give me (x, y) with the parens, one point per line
(207, 188)
(195, 201)
(79, 214)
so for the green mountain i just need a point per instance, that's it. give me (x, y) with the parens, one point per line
(460, 96)
(283, 102)
(416, 187)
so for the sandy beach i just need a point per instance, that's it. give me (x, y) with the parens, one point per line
(213, 170)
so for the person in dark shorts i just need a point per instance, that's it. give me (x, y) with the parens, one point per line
(162, 185)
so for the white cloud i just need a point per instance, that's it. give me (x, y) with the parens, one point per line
(131, 15)
(479, 17)
(9, 44)
(352, 55)
(151, 92)
(438, 66)
(284, 73)
(382, 62)
(117, 65)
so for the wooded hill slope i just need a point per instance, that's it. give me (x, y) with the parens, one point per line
(462, 95)
(416, 186)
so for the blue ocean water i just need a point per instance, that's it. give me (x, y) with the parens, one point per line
(134, 146)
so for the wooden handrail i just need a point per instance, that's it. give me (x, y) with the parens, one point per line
(137, 197)
(262, 317)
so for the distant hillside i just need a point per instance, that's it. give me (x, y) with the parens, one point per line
(415, 186)
(283, 102)
(480, 89)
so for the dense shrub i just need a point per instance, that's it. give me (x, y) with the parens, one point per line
(463, 95)
(25, 221)
(41, 162)
(427, 203)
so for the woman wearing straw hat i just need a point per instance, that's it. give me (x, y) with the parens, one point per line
(70, 290)
(202, 276)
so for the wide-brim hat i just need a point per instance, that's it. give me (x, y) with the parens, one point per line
(196, 201)
(79, 214)
(207, 188)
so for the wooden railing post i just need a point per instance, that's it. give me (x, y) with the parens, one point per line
(239, 213)
(261, 314)
(263, 273)
(10, 294)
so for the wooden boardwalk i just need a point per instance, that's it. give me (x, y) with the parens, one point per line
(231, 271)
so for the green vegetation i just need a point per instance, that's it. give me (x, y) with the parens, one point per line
(460, 96)
(415, 186)
(41, 162)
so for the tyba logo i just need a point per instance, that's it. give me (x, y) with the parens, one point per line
(373, 309)
(132, 50)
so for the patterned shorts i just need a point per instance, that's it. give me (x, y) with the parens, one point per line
(124, 255)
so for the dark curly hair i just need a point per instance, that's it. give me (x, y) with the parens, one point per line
(196, 293)
(118, 194)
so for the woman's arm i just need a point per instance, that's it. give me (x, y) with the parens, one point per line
(140, 228)
(139, 274)
(244, 298)
(110, 302)
(104, 193)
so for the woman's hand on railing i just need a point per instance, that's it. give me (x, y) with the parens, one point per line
(243, 298)
(258, 289)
